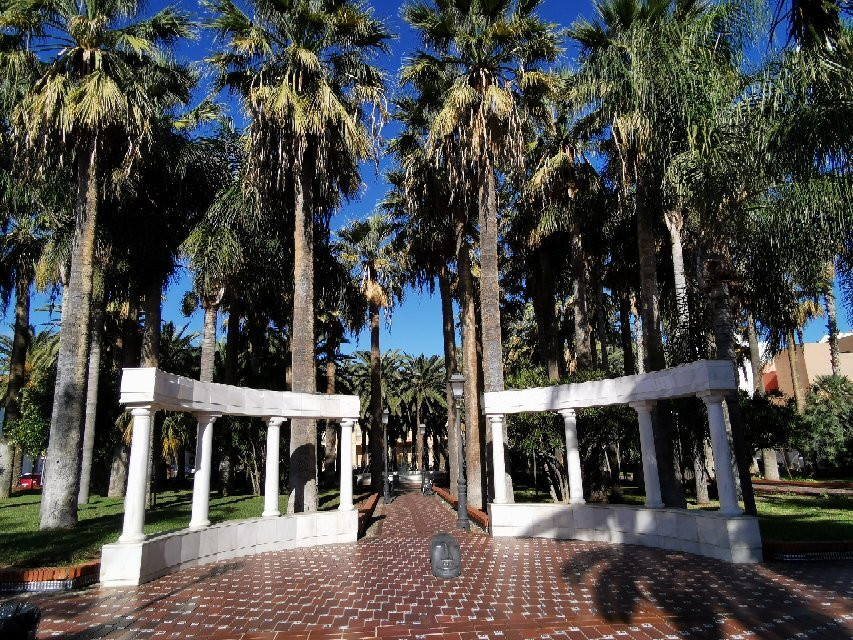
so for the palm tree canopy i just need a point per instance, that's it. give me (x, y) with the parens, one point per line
(367, 249)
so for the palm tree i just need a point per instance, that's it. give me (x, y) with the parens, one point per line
(108, 76)
(303, 71)
(366, 247)
(423, 390)
(494, 52)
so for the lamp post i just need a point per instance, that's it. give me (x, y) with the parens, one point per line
(457, 385)
(386, 490)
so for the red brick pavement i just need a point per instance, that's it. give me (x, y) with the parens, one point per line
(382, 587)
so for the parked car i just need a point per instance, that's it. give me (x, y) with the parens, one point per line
(30, 481)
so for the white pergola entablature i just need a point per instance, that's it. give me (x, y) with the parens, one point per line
(150, 387)
(701, 378)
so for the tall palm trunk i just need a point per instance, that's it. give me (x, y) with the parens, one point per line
(768, 456)
(450, 367)
(583, 353)
(470, 364)
(832, 318)
(600, 318)
(625, 334)
(726, 350)
(641, 349)
(544, 298)
(418, 462)
(130, 357)
(208, 343)
(490, 310)
(303, 432)
(150, 357)
(672, 492)
(796, 383)
(377, 439)
(331, 452)
(98, 313)
(230, 377)
(62, 462)
(17, 372)
(674, 224)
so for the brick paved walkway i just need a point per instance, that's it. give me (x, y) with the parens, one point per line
(382, 587)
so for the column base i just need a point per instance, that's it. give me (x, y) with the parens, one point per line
(346, 508)
(132, 539)
(271, 514)
(577, 501)
(194, 526)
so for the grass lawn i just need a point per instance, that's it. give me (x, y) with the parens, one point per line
(100, 521)
(781, 517)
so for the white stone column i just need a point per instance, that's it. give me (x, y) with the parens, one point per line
(271, 476)
(497, 423)
(201, 482)
(648, 454)
(723, 471)
(137, 477)
(346, 469)
(573, 457)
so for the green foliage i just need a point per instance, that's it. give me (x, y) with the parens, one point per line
(827, 425)
(769, 422)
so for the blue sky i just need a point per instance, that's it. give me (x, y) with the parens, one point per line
(416, 322)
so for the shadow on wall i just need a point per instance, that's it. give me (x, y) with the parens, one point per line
(705, 597)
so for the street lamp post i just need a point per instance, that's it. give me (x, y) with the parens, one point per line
(386, 490)
(457, 385)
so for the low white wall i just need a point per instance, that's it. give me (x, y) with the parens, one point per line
(706, 533)
(130, 564)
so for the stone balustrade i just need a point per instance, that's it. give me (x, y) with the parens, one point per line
(709, 380)
(136, 558)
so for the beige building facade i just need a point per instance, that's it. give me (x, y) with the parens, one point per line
(812, 361)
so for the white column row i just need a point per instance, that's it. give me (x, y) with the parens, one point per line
(137, 483)
(719, 442)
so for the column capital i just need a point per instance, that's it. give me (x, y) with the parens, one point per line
(142, 411)
(712, 397)
(568, 413)
(349, 421)
(203, 416)
(275, 421)
(495, 417)
(643, 405)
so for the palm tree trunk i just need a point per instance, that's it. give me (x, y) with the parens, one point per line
(796, 383)
(771, 465)
(832, 318)
(672, 492)
(62, 462)
(419, 443)
(450, 367)
(377, 439)
(150, 357)
(625, 334)
(230, 377)
(726, 350)
(545, 309)
(674, 224)
(17, 374)
(303, 432)
(208, 343)
(583, 354)
(470, 366)
(98, 313)
(130, 357)
(601, 318)
(641, 349)
(331, 451)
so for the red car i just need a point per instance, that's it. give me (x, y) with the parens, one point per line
(30, 481)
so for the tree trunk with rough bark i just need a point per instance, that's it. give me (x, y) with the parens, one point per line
(303, 432)
(674, 224)
(377, 435)
(490, 309)
(726, 350)
(62, 462)
(796, 383)
(330, 454)
(544, 305)
(601, 319)
(470, 366)
(625, 334)
(208, 343)
(17, 374)
(583, 354)
(832, 318)
(92, 394)
(672, 492)
(150, 357)
(450, 367)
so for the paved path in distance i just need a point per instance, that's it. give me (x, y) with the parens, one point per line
(382, 587)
